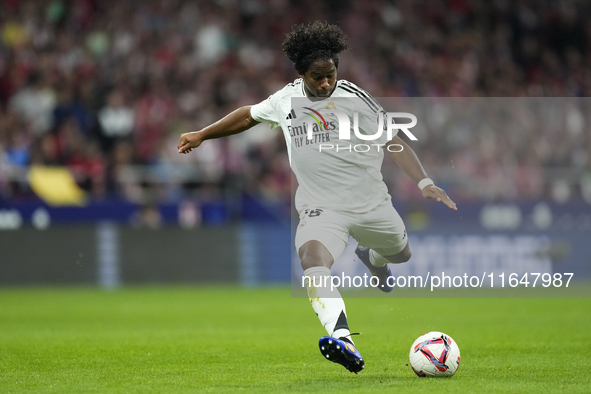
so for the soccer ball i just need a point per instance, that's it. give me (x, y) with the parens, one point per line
(434, 354)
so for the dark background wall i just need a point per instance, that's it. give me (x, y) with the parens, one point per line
(74, 254)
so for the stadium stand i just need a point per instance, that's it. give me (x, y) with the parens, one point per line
(106, 87)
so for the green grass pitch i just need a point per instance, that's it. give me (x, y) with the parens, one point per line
(222, 339)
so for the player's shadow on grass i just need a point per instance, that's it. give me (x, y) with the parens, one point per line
(367, 379)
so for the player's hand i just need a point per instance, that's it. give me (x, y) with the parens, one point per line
(435, 193)
(188, 141)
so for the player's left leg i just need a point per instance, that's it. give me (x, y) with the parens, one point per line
(382, 239)
(378, 260)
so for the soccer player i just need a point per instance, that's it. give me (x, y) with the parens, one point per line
(340, 194)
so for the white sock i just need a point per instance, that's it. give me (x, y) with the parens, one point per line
(376, 259)
(328, 304)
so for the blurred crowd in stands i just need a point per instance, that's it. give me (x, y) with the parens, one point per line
(106, 88)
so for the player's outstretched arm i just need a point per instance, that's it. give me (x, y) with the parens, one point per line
(407, 160)
(233, 123)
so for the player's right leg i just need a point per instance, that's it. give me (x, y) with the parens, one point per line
(320, 239)
(329, 307)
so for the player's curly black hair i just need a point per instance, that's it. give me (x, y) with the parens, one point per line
(318, 40)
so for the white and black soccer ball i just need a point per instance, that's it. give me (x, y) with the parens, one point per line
(435, 354)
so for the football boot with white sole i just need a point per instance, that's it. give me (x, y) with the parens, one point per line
(341, 351)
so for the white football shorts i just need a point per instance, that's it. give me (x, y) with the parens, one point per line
(380, 229)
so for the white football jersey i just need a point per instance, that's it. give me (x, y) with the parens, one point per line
(333, 173)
